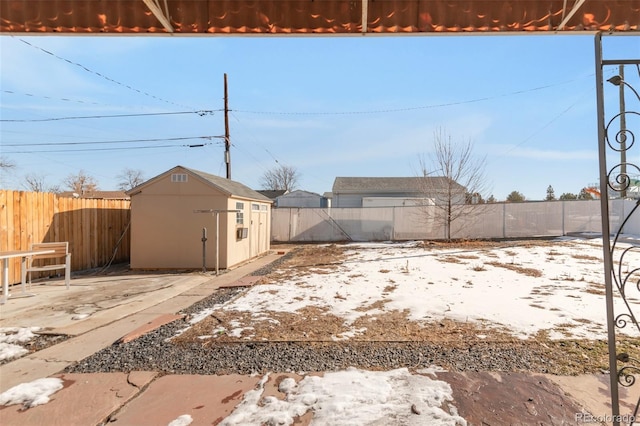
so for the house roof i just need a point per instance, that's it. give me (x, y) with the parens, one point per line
(389, 184)
(226, 186)
(299, 192)
(272, 194)
(264, 17)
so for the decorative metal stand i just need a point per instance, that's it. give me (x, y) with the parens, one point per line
(621, 277)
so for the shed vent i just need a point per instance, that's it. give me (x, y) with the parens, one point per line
(179, 177)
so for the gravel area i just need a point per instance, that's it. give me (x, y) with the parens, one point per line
(155, 352)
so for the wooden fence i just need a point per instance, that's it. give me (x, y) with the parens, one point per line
(97, 230)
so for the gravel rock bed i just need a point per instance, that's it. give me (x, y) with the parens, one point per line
(267, 269)
(154, 352)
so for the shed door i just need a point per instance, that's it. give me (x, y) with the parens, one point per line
(255, 230)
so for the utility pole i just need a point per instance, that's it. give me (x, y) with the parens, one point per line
(623, 138)
(227, 142)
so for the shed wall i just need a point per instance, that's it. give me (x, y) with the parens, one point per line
(257, 221)
(165, 231)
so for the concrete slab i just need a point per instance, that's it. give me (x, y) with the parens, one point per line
(247, 281)
(150, 326)
(28, 369)
(86, 399)
(592, 391)
(496, 398)
(55, 358)
(207, 399)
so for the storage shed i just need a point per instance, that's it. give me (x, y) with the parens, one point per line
(170, 211)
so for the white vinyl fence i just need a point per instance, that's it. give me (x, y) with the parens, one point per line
(500, 220)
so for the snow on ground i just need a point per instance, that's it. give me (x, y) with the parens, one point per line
(351, 397)
(497, 285)
(11, 338)
(338, 398)
(557, 288)
(31, 394)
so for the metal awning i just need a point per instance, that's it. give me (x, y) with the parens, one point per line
(298, 17)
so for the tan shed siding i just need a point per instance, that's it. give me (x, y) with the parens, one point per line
(166, 233)
(164, 186)
(238, 249)
(259, 232)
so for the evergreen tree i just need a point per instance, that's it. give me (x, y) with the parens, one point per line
(568, 196)
(515, 197)
(551, 195)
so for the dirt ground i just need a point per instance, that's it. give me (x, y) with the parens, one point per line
(314, 324)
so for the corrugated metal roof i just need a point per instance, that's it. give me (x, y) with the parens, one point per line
(211, 17)
(388, 184)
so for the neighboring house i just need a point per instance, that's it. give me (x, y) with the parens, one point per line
(273, 194)
(167, 221)
(301, 198)
(96, 195)
(393, 191)
(329, 197)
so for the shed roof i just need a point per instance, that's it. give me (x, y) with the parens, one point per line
(389, 184)
(220, 17)
(226, 186)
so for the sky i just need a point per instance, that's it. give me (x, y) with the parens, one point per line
(327, 106)
(565, 300)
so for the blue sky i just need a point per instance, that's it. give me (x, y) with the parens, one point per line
(328, 106)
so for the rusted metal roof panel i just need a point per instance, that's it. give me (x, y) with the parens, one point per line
(316, 16)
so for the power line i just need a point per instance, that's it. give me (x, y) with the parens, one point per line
(31, 95)
(101, 75)
(549, 123)
(35, 120)
(108, 149)
(108, 142)
(391, 110)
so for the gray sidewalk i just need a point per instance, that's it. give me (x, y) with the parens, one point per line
(116, 305)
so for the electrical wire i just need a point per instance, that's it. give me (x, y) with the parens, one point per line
(394, 110)
(142, 92)
(107, 149)
(36, 120)
(50, 98)
(110, 142)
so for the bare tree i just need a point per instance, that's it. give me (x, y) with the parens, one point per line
(129, 179)
(81, 183)
(460, 184)
(38, 183)
(5, 163)
(7, 169)
(280, 178)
